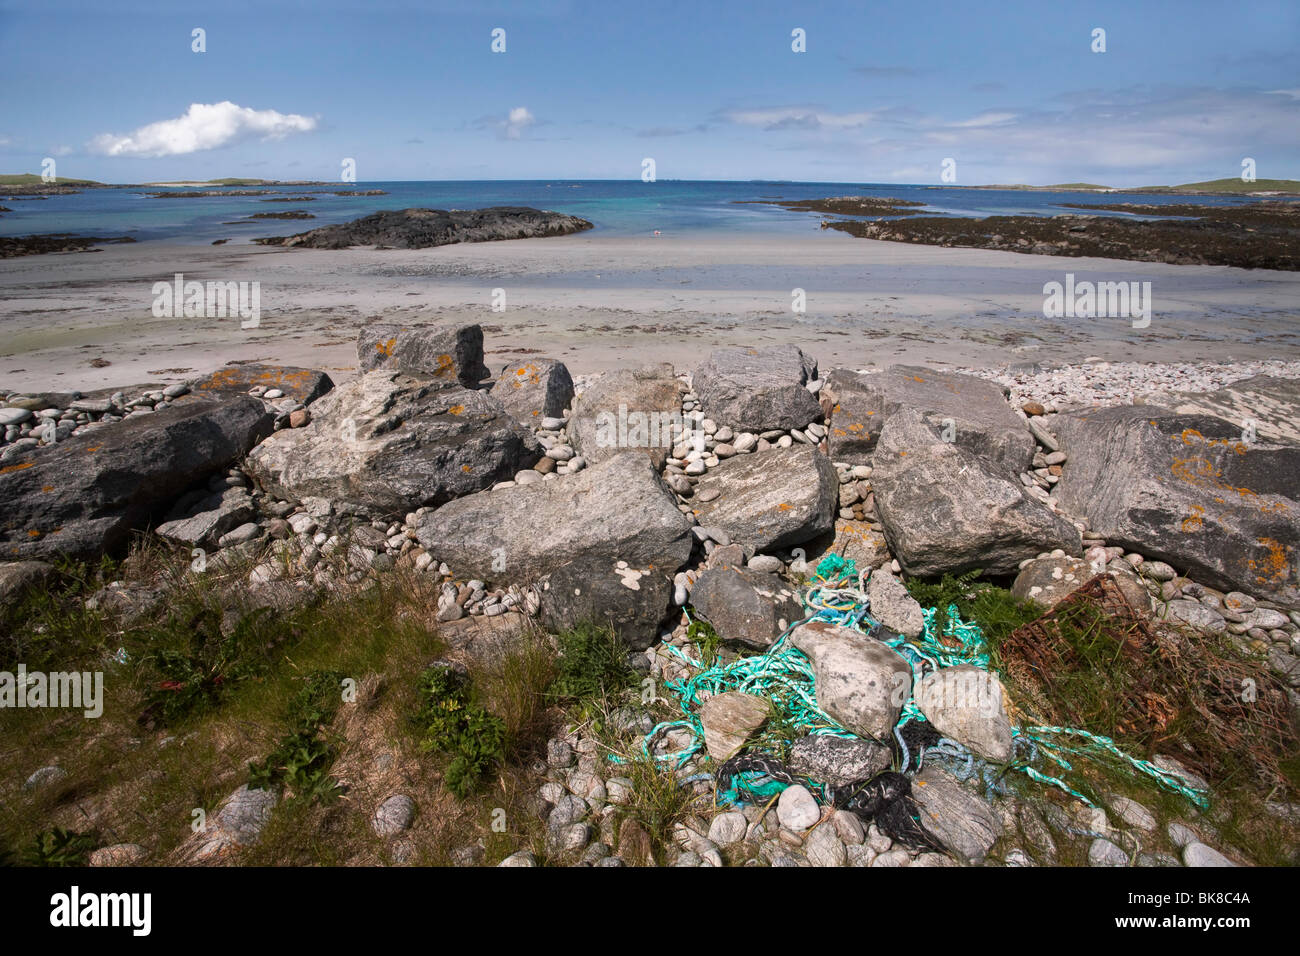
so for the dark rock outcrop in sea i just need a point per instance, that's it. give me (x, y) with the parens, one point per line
(424, 228)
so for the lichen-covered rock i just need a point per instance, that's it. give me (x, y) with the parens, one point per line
(973, 411)
(387, 443)
(771, 499)
(1187, 490)
(445, 353)
(619, 510)
(946, 510)
(533, 389)
(84, 496)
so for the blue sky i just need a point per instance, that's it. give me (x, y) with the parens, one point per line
(885, 92)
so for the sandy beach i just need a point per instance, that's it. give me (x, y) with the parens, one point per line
(600, 302)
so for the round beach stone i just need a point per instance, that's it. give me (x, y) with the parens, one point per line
(394, 815)
(796, 809)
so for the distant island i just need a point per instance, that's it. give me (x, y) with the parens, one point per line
(31, 183)
(1212, 187)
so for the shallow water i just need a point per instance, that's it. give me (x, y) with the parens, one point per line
(616, 207)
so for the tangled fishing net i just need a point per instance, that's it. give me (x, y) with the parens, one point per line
(836, 595)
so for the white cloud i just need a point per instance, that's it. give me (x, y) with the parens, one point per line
(204, 126)
(518, 121)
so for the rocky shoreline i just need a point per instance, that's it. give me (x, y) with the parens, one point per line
(425, 228)
(647, 499)
(1257, 235)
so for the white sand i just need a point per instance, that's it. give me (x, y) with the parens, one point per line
(599, 302)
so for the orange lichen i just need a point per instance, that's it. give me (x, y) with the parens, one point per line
(1274, 567)
(456, 409)
(446, 366)
(386, 349)
(19, 467)
(1194, 522)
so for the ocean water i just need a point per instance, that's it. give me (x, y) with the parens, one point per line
(616, 207)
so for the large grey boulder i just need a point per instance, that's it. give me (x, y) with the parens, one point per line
(534, 389)
(603, 590)
(860, 682)
(962, 822)
(968, 704)
(1271, 403)
(758, 389)
(84, 496)
(771, 499)
(945, 509)
(1187, 490)
(386, 443)
(447, 353)
(972, 411)
(618, 510)
(627, 410)
(751, 607)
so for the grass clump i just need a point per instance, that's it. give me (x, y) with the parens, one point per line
(453, 723)
(592, 664)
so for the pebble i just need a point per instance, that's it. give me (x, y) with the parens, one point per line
(45, 776)
(823, 848)
(1198, 854)
(796, 809)
(394, 815)
(1102, 852)
(728, 828)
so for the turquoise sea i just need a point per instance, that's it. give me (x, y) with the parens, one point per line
(617, 207)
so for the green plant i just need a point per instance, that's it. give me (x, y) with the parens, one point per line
(190, 664)
(705, 638)
(304, 756)
(60, 847)
(592, 663)
(452, 723)
(996, 610)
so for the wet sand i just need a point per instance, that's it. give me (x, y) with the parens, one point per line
(598, 302)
